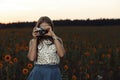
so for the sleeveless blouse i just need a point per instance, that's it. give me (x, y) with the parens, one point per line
(47, 53)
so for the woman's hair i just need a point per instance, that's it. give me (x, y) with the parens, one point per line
(45, 19)
(40, 21)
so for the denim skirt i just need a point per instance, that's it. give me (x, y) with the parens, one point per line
(45, 72)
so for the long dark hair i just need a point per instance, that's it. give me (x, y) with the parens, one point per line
(40, 21)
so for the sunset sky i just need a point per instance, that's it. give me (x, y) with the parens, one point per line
(31, 10)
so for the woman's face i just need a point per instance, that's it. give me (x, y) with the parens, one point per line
(45, 25)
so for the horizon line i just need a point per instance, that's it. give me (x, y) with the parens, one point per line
(57, 20)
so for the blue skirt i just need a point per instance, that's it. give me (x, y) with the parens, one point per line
(45, 72)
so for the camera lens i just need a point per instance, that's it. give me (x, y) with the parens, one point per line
(42, 31)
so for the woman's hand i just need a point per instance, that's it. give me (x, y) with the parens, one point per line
(50, 31)
(35, 32)
(46, 28)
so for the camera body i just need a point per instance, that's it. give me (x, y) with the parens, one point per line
(42, 31)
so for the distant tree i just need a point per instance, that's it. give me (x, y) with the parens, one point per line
(67, 22)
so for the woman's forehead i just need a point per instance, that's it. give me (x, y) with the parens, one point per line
(44, 24)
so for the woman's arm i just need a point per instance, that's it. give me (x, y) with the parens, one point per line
(33, 45)
(32, 49)
(60, 48)
(59, 44)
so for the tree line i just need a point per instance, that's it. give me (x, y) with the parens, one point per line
(67, 22)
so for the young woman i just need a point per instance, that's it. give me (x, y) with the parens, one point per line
(45, 50)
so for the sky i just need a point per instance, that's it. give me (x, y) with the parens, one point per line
(32, 10)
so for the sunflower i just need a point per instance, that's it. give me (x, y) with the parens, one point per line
(91, 62)
(17, 50)
(81, 68)
(108, 56)
(118, 67)
(26, 48)
(87, 53)
(74, 77)
(10, 62)
(15, 60)
(8, 48)
(25, 71)
(66, 67)
(29, 65)
(1, 65)
(7, 58)
(87, 76)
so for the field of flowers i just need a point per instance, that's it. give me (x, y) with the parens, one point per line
(92, 53)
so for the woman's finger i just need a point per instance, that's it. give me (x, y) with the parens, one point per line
(34, 29)
(37, 34)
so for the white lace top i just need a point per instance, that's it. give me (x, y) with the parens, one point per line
(47, 53)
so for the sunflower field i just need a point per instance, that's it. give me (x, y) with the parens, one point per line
(92, 53)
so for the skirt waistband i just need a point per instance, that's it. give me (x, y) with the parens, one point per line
(46, 65)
